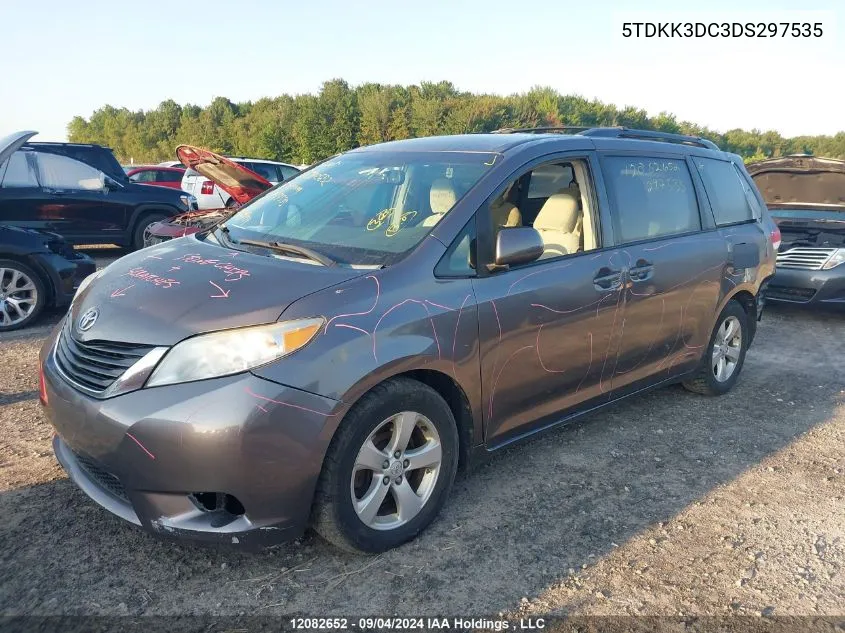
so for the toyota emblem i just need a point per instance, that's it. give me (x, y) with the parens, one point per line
(87, 320)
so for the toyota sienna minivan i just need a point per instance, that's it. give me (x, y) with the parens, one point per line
(333, 352)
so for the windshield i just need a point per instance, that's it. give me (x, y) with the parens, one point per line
(363, 208)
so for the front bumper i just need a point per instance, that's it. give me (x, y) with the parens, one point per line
(65, 274)
(808, 286)
(150, 455)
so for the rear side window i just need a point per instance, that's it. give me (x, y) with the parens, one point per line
(729, 194)
(652, 197)
(20, 171)
(63, 173)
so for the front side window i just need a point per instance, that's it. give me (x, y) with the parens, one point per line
(143, 176)
(728, 194)
(550, 179)
(365, 208)
(20, 171)
(459, 259)
(558, 207)
(63, 173)
(288, 172)
(652, 197)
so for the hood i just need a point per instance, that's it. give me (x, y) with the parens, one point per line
(10, 144)
(165, 293)
(236, 180)
(801, 182)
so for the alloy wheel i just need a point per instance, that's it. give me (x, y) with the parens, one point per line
(726, 349)
(396, 471)
(18, 296)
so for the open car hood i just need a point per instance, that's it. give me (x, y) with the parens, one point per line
(10, 144)
(801, 182)
(236, 180)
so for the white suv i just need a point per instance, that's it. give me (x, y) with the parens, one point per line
(210, 196)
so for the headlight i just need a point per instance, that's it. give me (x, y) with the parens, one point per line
(232, 351)
(189, 200)
(837, 258)
(85, 282)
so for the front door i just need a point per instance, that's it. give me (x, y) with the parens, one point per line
(550, 328)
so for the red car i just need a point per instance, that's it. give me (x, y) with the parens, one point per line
(157, 175)
(236, 180)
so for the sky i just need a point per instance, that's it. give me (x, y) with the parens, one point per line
(64, 58)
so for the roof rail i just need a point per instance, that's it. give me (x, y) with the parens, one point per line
(564, 129)
(614, 132)
(649, 135)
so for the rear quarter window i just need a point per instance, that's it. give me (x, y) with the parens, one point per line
(730, 196)
(652, 196)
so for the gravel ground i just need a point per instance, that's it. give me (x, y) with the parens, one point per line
(667, 504)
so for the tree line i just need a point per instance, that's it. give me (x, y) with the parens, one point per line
(306, 128)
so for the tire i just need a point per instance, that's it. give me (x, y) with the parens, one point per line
(705, 381)
(10, 317)
(140, 228)
(334, 515)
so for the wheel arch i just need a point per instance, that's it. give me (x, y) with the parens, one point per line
(34, 264)
(148, 209)
(748, 301)
(448, 389)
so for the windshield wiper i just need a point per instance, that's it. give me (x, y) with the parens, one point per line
(325, 260)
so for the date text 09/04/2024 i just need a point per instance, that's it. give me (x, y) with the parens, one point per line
(410, 624)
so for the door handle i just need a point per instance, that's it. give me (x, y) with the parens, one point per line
(607, 279)
(643, 271)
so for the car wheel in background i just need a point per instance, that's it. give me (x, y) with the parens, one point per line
(142, 230)
(725, 354)
(389, 468)
(23, 295)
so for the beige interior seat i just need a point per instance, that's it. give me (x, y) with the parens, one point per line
(441, 198)
(559, 224)
(505, 213)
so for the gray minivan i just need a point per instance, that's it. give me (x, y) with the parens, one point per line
(332, 353)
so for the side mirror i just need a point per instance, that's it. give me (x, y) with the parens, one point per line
(110, 183)
(517, 245)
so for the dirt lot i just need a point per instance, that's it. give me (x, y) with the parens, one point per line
(667, 504)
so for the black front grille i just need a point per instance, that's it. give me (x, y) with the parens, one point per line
(95, 365)
(789, 293)
(105, 480)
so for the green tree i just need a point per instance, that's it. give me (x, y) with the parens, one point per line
(309, 127)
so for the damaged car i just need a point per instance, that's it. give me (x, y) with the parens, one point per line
(239, 183)
(806, 198)
(327, 356)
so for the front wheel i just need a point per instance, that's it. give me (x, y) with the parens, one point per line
(725, 354)
(142, 231)
(389, 468)
(23, 295)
